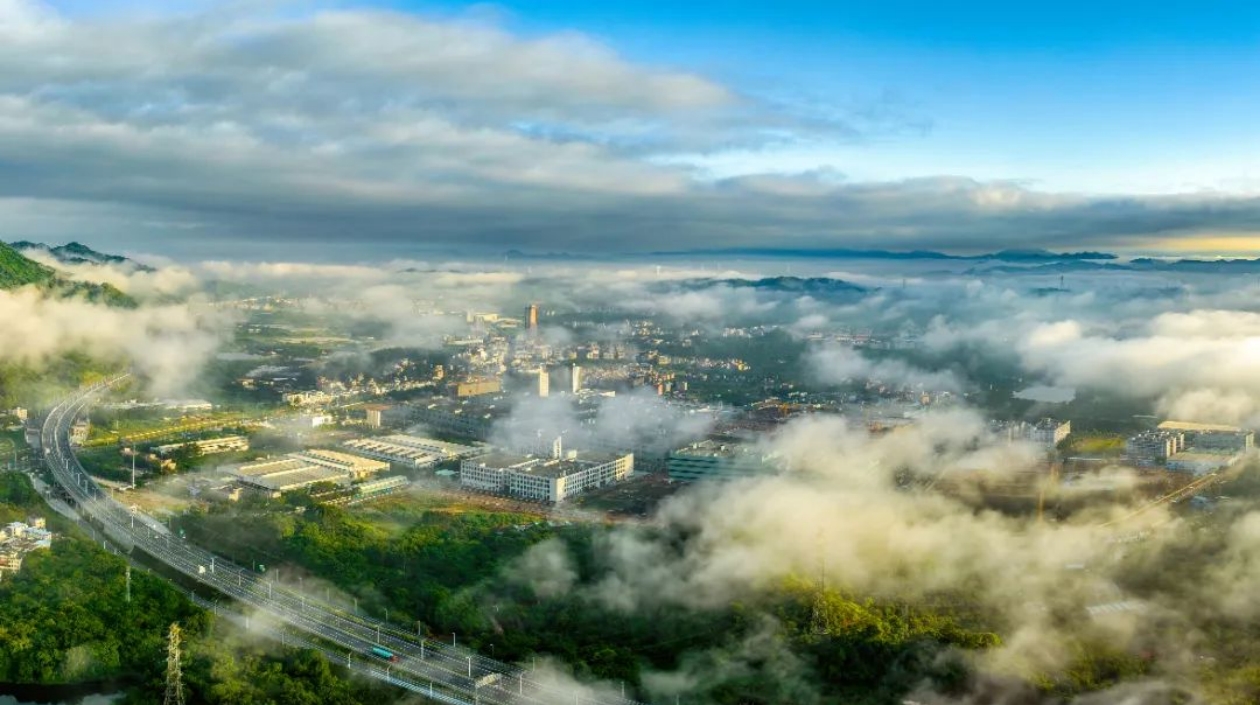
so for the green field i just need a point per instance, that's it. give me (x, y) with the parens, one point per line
(1105, 445)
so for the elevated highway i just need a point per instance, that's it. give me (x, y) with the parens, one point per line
(436, 670)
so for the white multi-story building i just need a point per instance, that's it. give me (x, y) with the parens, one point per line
(543, 479)
(1212, 436)
(1047, 433)
(1152, 447)
(489, 472)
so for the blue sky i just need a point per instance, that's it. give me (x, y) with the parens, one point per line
(1100, 97)
(580, 125)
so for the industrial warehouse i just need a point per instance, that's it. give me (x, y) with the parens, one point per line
(411, 452)
(717, 460)
(543, 479)
(299, 470)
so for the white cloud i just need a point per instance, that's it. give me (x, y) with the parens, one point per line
(250, 125)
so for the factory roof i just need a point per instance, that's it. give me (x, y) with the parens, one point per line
(393, 450)
(1200, 427)
(300, 477)
(428, 444)
(715, 449)
(556, 468)
(505, 460)
(341, 460)
(269, 467)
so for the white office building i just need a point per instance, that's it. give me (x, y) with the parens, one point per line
(539, 479)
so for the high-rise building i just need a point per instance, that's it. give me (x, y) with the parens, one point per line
(531, 317)
(544, 382)
(575, 379)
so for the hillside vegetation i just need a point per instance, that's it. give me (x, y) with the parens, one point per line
(65, 618)
(17, 271)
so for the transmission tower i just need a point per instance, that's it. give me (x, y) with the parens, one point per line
(174, 678)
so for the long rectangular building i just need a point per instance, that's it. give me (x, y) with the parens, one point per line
(415, 452)
(300, 470)
(538, 479)
(717, 460)
(208, 446)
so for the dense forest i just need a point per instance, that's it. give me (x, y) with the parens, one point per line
(445, 570)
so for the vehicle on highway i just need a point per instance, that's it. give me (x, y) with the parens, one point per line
(384, 653)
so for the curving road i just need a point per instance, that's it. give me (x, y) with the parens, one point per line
(440, 671)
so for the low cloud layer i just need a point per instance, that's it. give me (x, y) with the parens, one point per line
(841, 512)
(166, 344)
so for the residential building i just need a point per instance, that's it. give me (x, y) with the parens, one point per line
(1154, 447)
(80, 430)
(18, 539)
(1047, 432)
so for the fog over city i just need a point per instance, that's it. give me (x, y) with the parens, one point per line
(899, 517)
(533, 352)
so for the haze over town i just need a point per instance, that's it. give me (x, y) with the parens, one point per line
(411, 352)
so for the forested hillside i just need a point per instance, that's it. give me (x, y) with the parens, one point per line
(17, 271)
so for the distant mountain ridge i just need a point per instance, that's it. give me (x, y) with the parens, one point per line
(821, 288)
(78, 253)
(17, 270)
(1141, 264)
(1030, 255)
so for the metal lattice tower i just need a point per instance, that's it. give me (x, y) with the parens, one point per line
(174, 677)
